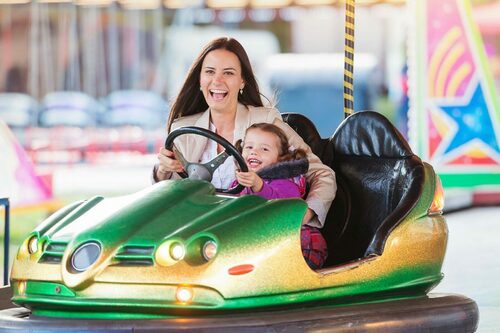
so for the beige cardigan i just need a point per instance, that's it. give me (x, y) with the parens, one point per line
(319, 176)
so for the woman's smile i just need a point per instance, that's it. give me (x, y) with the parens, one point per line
(221, 80)
(218, 94)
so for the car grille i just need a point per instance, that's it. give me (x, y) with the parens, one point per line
(135, 255)
(53, 253)
(131, 255)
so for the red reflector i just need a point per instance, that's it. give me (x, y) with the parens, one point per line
(240, 270)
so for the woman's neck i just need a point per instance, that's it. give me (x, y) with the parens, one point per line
(224, 125)
(223, 121)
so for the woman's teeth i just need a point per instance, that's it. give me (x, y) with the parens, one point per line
(218, 94)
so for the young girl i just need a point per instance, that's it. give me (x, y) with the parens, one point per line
(277, 171)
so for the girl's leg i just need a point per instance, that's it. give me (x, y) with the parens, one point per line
(314, 247)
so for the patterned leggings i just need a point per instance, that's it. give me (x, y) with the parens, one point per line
(314, 247)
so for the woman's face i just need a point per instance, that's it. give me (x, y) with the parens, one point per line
(221, 80)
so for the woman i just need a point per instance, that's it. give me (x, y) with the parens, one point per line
(221, 93)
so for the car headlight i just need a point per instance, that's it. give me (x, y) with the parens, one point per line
(198, 251)
(85, 256)
(209, 250)
(177, 251)
(33, 245)
(202, 249)
(170, 252)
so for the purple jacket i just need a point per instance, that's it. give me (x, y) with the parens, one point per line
(276, 189)
(279, 180)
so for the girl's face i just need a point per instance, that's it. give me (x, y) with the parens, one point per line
(260, 149)
(221, 80)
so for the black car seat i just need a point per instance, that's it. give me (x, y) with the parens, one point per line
(379, 180)
(308, 132)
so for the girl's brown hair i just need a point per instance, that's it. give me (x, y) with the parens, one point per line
(285, 154)
(190, 99)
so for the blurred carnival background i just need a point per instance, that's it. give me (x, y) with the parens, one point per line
(85, 89)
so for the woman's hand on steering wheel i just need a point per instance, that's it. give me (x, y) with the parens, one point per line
(203, 171)
(168, 163)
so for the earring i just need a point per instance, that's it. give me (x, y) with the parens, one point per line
(201, 89)
(241, 91)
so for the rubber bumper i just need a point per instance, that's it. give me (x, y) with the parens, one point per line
(433, 313)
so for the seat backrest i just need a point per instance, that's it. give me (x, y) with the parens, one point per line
(382, 180)
(308, 132)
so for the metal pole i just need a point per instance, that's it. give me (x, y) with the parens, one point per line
(349, 59)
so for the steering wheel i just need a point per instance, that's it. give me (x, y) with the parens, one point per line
(206, 171)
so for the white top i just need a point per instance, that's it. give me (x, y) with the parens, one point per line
(225, 174)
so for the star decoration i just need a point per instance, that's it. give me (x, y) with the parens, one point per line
(473, 122)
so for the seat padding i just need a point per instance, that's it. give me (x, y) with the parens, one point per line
(370, 134)
(379, 181)
(383, 178)
(308, 132)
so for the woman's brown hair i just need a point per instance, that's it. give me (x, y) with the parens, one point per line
(190, 99)
(285, 151)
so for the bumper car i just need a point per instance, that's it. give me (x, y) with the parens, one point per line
(184, 255)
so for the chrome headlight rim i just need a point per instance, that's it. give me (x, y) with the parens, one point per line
(170, 252)
(92, 256)
(177, 251)
(32, 244)
(209, 250)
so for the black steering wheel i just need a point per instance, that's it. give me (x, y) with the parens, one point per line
(206, 171)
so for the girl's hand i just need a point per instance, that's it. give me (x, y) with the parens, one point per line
(168, 164)
(250, 179)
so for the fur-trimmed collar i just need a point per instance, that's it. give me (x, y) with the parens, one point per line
(286, 169)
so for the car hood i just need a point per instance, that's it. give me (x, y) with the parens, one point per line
(129, 229)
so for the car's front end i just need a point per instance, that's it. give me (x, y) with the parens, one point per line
(178, 247)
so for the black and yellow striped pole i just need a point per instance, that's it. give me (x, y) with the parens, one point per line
(349, 59)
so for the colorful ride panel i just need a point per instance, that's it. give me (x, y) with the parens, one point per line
(454, 108)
